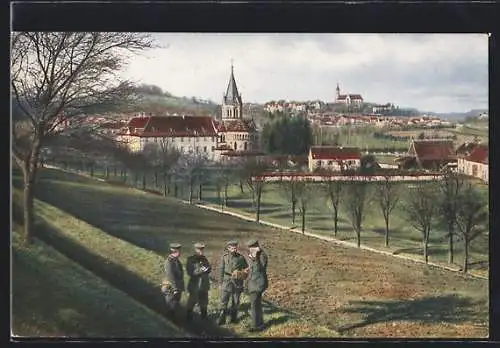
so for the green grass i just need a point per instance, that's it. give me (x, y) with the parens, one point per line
(54, 296)
(131, 259)
(313, 284)
(403, 238)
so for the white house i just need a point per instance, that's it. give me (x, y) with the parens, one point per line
(334, 158)
(475, 164)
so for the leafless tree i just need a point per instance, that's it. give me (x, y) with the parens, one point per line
(253, 169)
(334, 194)
(451, 187)
(357, 197)
(189, 169)
(421, 210)
(305, 194)
(289, 188)
(388, 195)
(472, 218)
(59, 76)
(163, 159)
(222, 178)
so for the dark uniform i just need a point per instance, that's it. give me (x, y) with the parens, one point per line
(233, 267)
(174, 281)
(257, 283)
(198, 268)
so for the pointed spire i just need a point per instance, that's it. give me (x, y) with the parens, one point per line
(232, 96)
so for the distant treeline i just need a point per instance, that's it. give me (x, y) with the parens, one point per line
(378, 135)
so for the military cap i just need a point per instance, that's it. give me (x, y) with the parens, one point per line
(199, 245)
(232, 243)
(175, 246)
(252, 243)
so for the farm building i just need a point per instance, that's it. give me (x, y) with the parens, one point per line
(476, 163)
(428, 154)
(334, 158)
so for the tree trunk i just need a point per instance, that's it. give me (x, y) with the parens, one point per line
(91, 169)
(191, 193)
(107, 173)
(358, 237)
(136, 177)
(387, 231)
(115, 169)
(466, 256)
(335, 222)
(156, 178)
(450, 243)
(225, 193)
(176, 188)
(259, 195)
(426, 254)
(30, 171)
(143, 180)
(294, 203)
(241, 187)
(165, 185)
(200, 192)
(303, 220)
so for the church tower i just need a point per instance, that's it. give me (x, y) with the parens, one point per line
(337, 94)
(232, 105)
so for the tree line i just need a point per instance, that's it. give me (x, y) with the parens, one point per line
(291, 136)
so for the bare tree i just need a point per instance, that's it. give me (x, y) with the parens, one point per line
(472, 218)
(450, 189)
(289, 188)
(334, 193)
(253, 169)
(305, 194)
(357, 197)
(189, 169)
(59, 76)
(163, 159)
(222, 178)
(421, 209)
(387, 197)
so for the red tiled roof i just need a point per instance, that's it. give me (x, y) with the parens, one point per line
(177, 126)
(430, 150)
(239, 126)
(355, 96)
(138, 122)
(335, 153)
(479, 154)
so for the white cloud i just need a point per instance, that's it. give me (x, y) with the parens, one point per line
(439, 72)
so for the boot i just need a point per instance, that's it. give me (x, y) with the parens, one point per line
(189, 315)
(234, 317)
(203, 313)
(222, 317)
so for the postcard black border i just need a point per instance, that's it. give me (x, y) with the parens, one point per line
(290, 16)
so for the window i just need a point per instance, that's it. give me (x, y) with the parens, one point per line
(213, 148)
(197, 149)
(182, 139)
(245, 146)
(204, 149)
(197, 139)
(319, 163)
(235, 146)
(330, 163)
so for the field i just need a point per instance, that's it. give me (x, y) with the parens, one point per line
(316, 288)
(54, 296)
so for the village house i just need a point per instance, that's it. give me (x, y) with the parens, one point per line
(431, 154)
(333, 158)
(475, 163)
(382, 108)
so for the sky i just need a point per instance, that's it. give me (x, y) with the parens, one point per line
(430, 72)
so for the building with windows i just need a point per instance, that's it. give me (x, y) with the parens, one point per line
(334, 158)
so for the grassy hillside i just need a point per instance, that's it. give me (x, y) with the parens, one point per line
(313, 284)
(54, 296)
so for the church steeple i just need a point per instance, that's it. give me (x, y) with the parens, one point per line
(232, 104)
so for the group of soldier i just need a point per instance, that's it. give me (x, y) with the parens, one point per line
(236, 274)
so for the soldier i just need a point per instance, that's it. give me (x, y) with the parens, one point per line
(198, 268)
(257, 282)
(233, 271)
(173, 284)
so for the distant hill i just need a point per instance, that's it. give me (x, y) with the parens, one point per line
(458, 116)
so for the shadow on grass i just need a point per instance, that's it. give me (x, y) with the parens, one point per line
(119, 277)
(431, 250)
(268, 309)
(450, 309)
